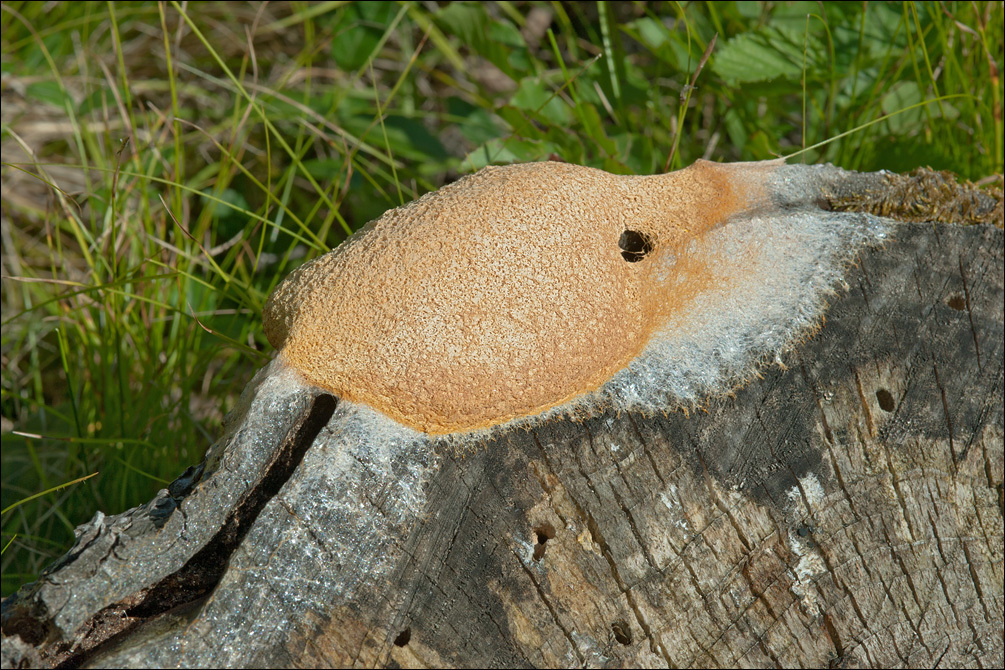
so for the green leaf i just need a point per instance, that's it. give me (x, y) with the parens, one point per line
(225, 205)
(748, 10)
(735, 128)
(468, 21)
(496, 40)
(518, 122)
(510, 150)
(650, 32)
(903, 95)
(761, 56)
(357, 34)
(762, 146)
(534, 97)
(504, 32)
(593, 127)
(475, 123)
(408, 137)
(46, 91)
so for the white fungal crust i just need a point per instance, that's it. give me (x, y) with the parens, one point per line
(507, 295)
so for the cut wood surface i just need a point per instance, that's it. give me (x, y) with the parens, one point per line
(845, 508)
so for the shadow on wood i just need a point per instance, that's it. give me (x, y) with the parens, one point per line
(845, 508)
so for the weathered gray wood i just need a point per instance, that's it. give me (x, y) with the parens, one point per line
(847, 509)
(152, 553)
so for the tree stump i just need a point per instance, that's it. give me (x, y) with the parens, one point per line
(845, 508)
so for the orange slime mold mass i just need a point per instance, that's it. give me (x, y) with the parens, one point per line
(509, 292)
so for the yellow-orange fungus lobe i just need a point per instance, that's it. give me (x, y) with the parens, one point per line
(509, 293)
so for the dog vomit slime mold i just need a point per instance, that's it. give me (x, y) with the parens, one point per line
(530, 291)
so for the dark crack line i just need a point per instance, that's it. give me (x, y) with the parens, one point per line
(970, 315)
(594, 529)
(598, 537)
(866, 410)
(632, 524)
(976, 581)
(203, 571)
(551, 609)
(647, 451)
(949, 418)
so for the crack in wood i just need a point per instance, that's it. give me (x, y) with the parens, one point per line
(203, 571)
(895, 534)
(970, 315)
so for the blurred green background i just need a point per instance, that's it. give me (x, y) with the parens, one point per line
(165, 165)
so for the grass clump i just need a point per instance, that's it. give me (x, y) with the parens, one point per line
(164, 165)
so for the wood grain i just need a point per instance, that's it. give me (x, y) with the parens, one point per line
(845, 509)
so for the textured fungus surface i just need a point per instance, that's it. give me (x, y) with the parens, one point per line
(549, 288)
